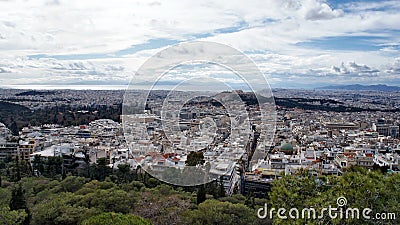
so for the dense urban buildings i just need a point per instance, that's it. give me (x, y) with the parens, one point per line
(320, 131)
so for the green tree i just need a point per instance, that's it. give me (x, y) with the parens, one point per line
(215, 212)
(116, 219)
(18, 169)
(100, 170)
(361, 188)
(124, 174)
(153, 182)
(60, 209)
(109, 200)
(52, 167)
(163, 205)
(18, 202)
(201, 193)
(221, 187)
(72, 183)
(195, 158)
(38, 163)
(12, 217)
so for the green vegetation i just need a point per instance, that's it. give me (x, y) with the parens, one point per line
(195, 158)
(216, 212)
(7, 215)
(17, 116)
(362, 189)
(123, 196)
(115, 219)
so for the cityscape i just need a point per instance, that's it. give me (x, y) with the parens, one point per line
(324, 132)
(199, 112)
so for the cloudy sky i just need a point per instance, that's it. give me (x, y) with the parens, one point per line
(295, 43)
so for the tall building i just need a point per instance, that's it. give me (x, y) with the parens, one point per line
(386, 128)
(26, 148)
(8, 148)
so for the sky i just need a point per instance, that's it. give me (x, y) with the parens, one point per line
(295, 43)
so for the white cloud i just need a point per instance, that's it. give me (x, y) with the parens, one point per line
(319, 10)
(4, 70)
(352, 68)
(394, 68)
(270, 27)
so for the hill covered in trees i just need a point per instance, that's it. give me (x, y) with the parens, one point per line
(16, 116)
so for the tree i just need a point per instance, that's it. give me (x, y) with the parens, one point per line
(18, 169)
(201, 194)
(100, 170)
(53, 167)
(60, 209)
(195, 159)
(163, 205)
(361, 188)
(109, 200)
(38, 164)
(124, 173)
(215, 212)
(18, 202)
(152, 182)
(72, 183)
(221, 187)
(12, 217)
(116, 219)
(17, 198)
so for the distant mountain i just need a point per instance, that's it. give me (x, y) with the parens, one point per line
(359, 87)
(97, 82)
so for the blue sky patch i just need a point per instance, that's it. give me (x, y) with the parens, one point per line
(352, 43)
(150, 44)
(71, 56)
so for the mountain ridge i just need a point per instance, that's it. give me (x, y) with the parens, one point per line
(359, 87)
